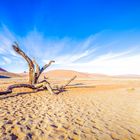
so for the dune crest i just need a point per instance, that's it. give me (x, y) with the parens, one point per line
(69, 73)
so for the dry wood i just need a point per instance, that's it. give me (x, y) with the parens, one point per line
(61, 88)
(10, 88)
(29, 61)
(34, 74)
(69, 81)
(48, 86)
(42, 84)
(34, 69)
(43, 68)
(37, 71)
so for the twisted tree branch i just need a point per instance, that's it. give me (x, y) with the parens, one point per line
(29, 61)
(43, 68)
(46, 66)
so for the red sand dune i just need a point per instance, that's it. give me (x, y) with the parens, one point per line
(70, 73)
(2, 70)
(4, 74)
(66, 74)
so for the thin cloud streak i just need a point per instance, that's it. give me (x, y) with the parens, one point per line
(6, 60)
(93, 54)
(111, 66)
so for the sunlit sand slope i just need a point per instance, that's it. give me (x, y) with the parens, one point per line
(108, 110)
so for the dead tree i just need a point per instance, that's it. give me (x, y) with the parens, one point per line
(34, 69)
(34, 73)
(43, 84)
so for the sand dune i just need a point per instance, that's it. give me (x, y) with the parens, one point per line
(69, 73)
(8, 74)
(66, 74)
(2, 70)
(108, 110)
(62, 74)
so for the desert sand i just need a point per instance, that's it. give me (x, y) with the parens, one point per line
(94, 108)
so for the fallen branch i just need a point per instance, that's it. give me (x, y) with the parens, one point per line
(10, 88)
(62, 88)
(42, 84)
(69, 81)
(46, 85)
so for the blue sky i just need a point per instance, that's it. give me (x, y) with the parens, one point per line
(96, 36)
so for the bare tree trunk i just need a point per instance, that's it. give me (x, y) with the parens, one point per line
(34, 74)
(29, 61)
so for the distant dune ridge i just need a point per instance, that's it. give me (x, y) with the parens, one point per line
(2, 70)
(6, 74)
(69, 73)
(61, 74)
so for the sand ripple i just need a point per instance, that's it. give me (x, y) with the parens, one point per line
(73, 115)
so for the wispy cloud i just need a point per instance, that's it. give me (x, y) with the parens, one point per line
(111, 64)
(6, 60)
(104, 52)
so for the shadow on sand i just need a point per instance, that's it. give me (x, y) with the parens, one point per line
(2, 76)
(10, 95)
(77, 84)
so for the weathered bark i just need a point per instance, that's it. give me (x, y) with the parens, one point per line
(42, 69)
(69, 81)
(10, 88)
(37, 71)
(34, 74)
(43, 84)
(61, 88)
(46, 66)
(29, 61)
(46, 85)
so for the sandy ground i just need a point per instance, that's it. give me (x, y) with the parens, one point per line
(108, 110)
